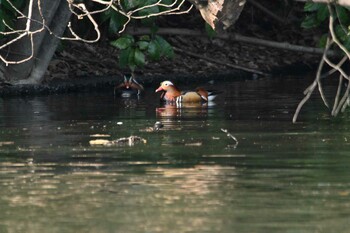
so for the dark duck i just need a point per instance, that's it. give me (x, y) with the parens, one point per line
(128, 88)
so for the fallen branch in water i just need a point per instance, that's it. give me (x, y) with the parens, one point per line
(340, 103)
(128, 141)
(231, 136)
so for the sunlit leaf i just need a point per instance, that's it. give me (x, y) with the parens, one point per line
(123, 42)
(143, 45)
(310, 21)
(145, 38)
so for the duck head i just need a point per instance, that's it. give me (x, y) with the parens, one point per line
(165, 86)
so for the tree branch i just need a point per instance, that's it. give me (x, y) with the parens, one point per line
(233, 37)
(219, 62)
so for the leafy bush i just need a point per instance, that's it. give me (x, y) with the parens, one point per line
(133, 52)
(317, 14)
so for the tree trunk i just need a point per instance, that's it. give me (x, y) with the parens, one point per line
(219, 14)
(56, 14)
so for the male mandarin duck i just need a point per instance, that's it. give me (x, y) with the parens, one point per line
(129, 87)
(172, 94)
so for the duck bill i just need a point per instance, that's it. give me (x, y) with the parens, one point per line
(159, 89)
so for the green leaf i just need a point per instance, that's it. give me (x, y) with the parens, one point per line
(145, 38)
(323, 41)
(143, 45)
(347, 44)
(341, 34)
(166, 48)
(7, 17)
(310, 6)
(131, 60)
(19, 4)
(131, 4)
(310, 21)
(154, 50)
(106, 15)
(139, 58)
(124, 57)
(167, 2)
(123, 42)
(148, 21)
(210, 31)
(322, 13)
(116, 22)
(343, 14)
(149, 10)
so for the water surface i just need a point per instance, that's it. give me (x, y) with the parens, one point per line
(188, 177)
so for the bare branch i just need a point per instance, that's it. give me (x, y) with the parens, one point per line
(344, 101)
(80, 11)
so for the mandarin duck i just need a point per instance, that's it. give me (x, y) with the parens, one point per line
(172, 94)
(128, 88)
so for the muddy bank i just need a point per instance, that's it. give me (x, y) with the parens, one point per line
(107, 83)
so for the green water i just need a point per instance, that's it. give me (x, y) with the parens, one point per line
(188, 177)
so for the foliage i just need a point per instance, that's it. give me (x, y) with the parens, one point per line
(133, 52)
(117, 20)
(317, 14)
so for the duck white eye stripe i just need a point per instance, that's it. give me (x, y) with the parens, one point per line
(167, 83)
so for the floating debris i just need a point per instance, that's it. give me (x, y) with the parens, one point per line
(100, 135)
(127, 141)
(194, 144)
(6, 143)
(102, 142)
(231, 136)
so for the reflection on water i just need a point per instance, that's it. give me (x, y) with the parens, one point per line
(187, 178)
